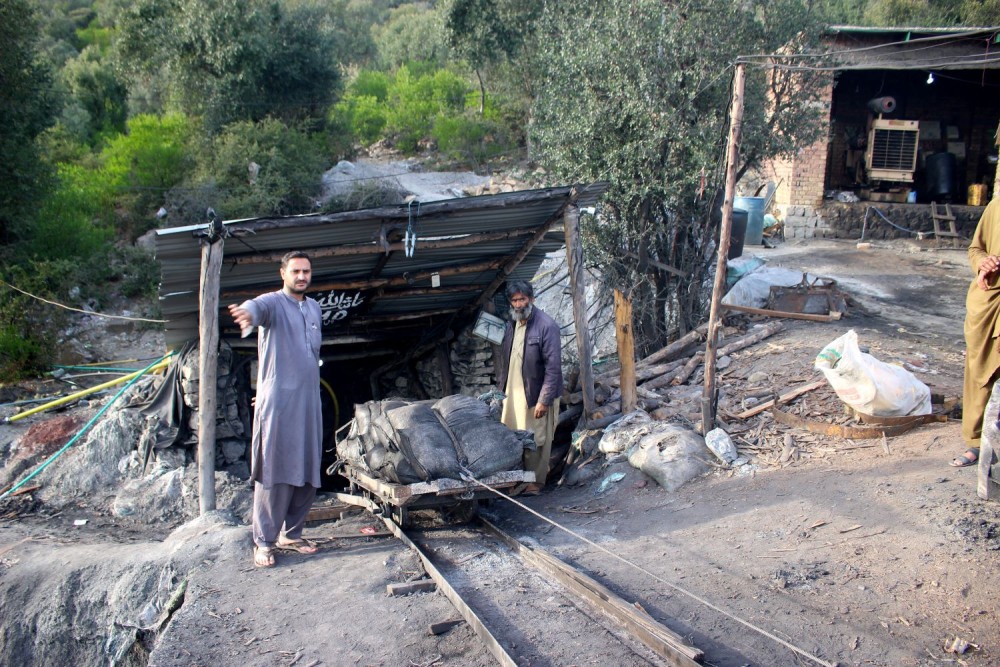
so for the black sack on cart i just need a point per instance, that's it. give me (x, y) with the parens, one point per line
(420, 441)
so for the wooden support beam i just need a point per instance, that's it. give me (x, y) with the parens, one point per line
(637, 624)
(626, 350)
(833, 316)
(444, 368)
(578, 286)
(708, 397)
(512, 263)
(208, 361)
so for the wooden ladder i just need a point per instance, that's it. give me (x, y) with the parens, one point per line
(938, 217)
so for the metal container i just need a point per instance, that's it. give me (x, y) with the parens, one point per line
(754, 206)
(977, 195)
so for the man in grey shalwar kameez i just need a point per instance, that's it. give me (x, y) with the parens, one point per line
(288, 422)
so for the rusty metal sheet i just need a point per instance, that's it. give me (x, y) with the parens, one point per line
(818, 297)
(857, 432)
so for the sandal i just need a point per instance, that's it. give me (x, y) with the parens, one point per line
(301, 546)
(970, 457)
(263, 557)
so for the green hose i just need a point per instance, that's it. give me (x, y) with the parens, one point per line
(82, 430)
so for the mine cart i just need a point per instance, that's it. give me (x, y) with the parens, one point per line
(457, 500)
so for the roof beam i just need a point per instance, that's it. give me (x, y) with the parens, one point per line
(396, 281)
(376, 248)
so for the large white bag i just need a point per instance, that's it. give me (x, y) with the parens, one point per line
(869, 385)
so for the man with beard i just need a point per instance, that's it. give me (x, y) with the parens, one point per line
(288, 422)
(532, 378)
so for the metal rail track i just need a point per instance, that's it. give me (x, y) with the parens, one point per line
(641, 639)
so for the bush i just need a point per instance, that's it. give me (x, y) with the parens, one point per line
(20, 357)
(370, 84)
(73, 221)
(287, 178)
(364, 117)
(469, 138)
(28, 326)
(140, 166)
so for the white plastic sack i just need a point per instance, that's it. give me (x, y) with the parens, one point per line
(869, 385)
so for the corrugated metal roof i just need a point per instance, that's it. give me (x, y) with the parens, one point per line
(914, 48)
(368, 294)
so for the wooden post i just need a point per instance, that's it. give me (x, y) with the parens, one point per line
(626, 351)
(996, 174)
(714, 317)
(208, 360)
(444, 367)
(574, 257)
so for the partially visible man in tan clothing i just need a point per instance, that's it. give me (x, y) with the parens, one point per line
(982, 330)
(532, 377)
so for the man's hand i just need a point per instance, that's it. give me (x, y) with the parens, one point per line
(241, 316)
(987, 267)
(541, 411)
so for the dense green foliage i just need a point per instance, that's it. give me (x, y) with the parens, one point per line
(27, 108)
(119, 116)
(410, 109)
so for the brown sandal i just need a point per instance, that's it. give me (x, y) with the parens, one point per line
(301, 546)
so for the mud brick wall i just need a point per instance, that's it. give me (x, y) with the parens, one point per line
(845, 221)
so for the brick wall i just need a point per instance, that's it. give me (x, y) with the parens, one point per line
(801, 176)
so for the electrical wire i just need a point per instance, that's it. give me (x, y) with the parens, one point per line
(78, 310)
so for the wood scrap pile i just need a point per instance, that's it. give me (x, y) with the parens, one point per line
(665, 378)
(780, 425)
(774, 405)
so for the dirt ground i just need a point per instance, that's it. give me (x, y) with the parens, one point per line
(859, 552)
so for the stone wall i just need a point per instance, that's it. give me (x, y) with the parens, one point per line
(845, 220)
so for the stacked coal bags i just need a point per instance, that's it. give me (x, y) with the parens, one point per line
(406, 442)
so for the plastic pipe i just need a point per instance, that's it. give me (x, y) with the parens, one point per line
(83, 430)
(156, 365)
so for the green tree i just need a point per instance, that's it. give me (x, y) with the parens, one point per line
(98, 98)
(637, 94)
(492, 33)
(27, 107)
(413, 33)
(229, 60)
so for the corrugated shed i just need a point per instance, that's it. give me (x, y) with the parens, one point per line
(369, 288)
(914, 48)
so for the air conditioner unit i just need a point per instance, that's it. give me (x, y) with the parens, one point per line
(892, 150)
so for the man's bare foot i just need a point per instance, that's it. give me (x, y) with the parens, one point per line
(263, 557)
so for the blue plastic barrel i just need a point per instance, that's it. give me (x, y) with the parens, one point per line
(754, 206)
